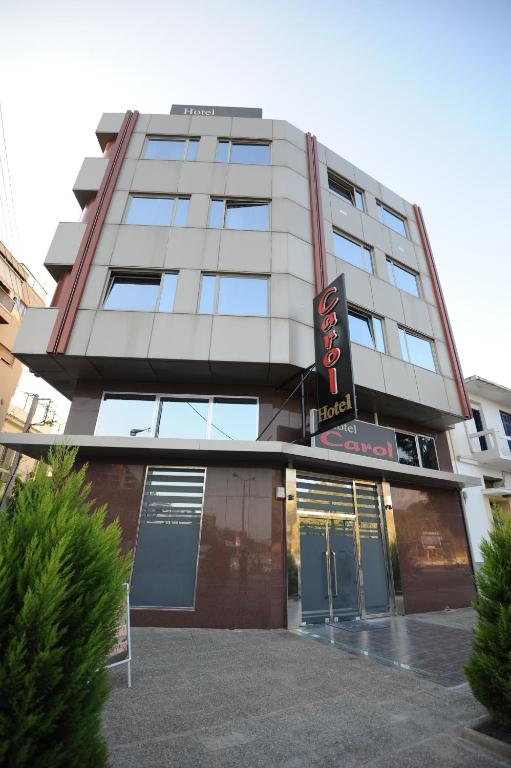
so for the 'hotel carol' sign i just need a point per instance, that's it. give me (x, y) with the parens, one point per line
(198, 110)
(360, 438)
(336, 388)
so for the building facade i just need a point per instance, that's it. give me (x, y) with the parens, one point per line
(482, 448)
(182, 330)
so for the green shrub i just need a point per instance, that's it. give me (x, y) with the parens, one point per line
(61, 577)
(489, 666)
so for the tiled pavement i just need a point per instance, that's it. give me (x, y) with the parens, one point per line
(432, 646)
(273, 699)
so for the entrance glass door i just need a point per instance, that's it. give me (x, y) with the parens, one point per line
(328, 569)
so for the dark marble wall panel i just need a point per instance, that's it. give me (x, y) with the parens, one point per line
(241, 569)
(433, 551)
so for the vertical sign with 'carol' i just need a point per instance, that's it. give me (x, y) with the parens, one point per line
(336, 389)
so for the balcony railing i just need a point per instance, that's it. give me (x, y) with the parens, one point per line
(488, 444)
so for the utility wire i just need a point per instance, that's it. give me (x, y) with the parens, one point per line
(9, 178)
(205, 419)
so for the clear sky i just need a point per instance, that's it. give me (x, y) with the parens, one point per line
(418, 94)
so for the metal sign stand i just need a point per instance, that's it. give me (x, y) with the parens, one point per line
(127, 660)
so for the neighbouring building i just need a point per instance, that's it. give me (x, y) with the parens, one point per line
(181, 328)
(482, 448)
(19, 289)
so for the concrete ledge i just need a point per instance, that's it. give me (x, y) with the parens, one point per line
(495, 746)
(150, 449)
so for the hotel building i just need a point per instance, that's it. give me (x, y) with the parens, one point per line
(182, 330)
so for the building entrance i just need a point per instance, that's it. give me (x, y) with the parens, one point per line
(343, 563)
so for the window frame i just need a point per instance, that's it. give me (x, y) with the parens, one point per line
(366, 315)
(248, 201)
(216, 293)
(252, 142)
(155, 196)
(114, 273)
(416, 435)
(421, 336)
(393, 263)
(363, 246)
(336, 178)
(159, 396)
(403, 219)
(186, 149)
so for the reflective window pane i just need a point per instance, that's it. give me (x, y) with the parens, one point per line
(360, 330)
(378, 334)
(352, 252)
(402, 278)
(246, 215)
(242, 296)
(359, 200)
(253, 154)
(183, 418)
(407, 449)
(121, 414)
(150, 210)
(222, 152)
(181, 214)
(391, 220)
(193, 146)
(234, 418)
(427, 452)
(420, 352)
(404, 348)
(168, 292)
(207, 294)
(133, 293)
(341, 190)
(216, 214)
(164, 149)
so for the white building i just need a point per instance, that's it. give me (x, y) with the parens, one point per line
(482, 448)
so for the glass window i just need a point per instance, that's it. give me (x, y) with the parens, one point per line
(142, 293)
(234, 418)
(171, 149)
(355, 253)
(427, 451)
(407, 449)
(251, 154)
(417, 350)
(346, 191)
(183, 418)
(248, 152)
(366, 330)
(222, 151)
(157, 211)
(216, 214)
(125, 415)
(245, 215)
(234, 295)
(403, 278)
(391, 219)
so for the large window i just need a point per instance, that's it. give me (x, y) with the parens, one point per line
(249, 152)
(239, 214)
(158, 211)
(355, 253)
(233, 295)
(171, 149)
(391, 219)
(141, 291)
(403, 278)
(416, 450)
(366, 330)
(346, 191)
(193, 418)
(417, 349)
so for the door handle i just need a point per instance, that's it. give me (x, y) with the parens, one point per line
(333, 569)
(327, 590)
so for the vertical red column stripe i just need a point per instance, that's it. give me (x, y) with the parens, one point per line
(444, 317)
(69, 305)
(318, 235)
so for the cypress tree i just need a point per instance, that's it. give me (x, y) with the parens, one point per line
(489, 667)
(61, 588)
